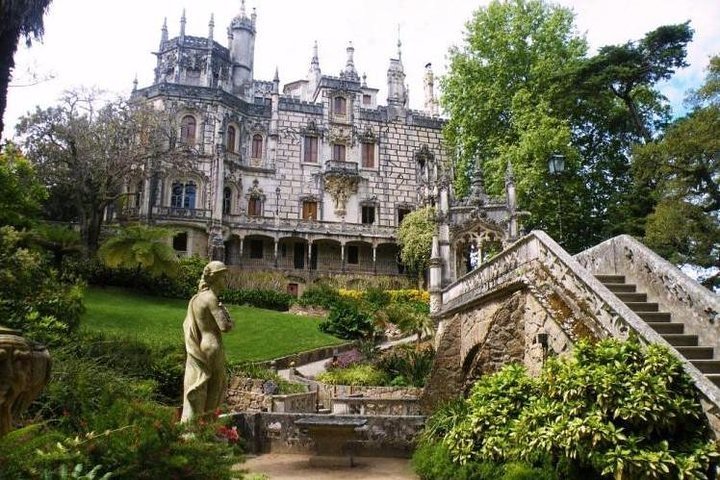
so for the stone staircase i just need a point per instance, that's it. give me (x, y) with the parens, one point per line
(702, 357)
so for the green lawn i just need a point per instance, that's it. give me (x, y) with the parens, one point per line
(258, 334)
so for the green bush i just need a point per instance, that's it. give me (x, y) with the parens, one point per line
(346, 320)
(355, 375)
(406, 365)
(109, 418)
(612, 409)
(320, 295)
(267, 299)
(251, 370)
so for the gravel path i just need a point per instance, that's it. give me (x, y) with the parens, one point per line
(297, 467)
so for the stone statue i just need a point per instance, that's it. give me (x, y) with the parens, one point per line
(206, 318)
(24, 372)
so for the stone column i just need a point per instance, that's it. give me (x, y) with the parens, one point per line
(309, 254)
(275, 247)
(342, 257)
(435, 287)
(374, 251)
(240, 253)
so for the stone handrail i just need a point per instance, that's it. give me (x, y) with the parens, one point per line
(375, 406)
(537, 255)
(305, 402)
(675, 292)
(309, 226)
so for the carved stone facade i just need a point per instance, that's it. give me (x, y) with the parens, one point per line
(310, 179)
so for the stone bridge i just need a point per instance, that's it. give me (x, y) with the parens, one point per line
(534, 299)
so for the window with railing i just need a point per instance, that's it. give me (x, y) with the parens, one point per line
(257, 146)
(367, 151)
(309, 210)
(183, 194)
(338, 152)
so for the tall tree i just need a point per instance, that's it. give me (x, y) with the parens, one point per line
(18, 18)
(522, 89)
(683, 168)
(22, 192)
(415, 239)
(90, 150)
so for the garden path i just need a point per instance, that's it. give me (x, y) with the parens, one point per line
(315, 368)
(297, 467)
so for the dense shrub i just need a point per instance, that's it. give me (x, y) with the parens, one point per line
(268, 299)
(32, 297)
(347, 320)
(406, 365)
(356, 375)
(612, 409)
(320, 295)
(109, 418)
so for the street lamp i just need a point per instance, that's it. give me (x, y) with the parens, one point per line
(277, 201)
(556, 166)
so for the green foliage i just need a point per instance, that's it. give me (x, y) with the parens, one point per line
(140, 246)
(32, 298)
(355, 375)
(107, 417)
(267, 299)
(349, 321)
(415, 239)
(19, 452)
(22, 193)
(613, 409)
(320, 295)
(406, 365)
(410, 319)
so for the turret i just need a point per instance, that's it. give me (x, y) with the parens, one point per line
(397, 93)
(182, 27)
(211, 30)
(350, 73)
(242, 49)
(431, 104)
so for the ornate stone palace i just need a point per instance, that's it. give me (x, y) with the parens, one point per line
(311, 180)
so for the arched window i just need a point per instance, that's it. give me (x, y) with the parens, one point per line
(187, 130)
(339, 106)
(227, 200)
(183, 194)
(231, 139)
(257, 146)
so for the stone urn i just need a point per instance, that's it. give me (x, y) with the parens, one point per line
(24, 372)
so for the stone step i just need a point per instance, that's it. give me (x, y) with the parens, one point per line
(667, 327)
(611, 278)
(679, 339)
(620, 287)
(632, 297)
(715, 378)
(696, 353)
(654, 316)
(707, 366)
(642, 306)
(324, 411)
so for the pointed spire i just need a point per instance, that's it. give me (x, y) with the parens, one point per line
(253, 17)
(135, 83)
(399, 45)
(315, 61)
(211, 28)
(276, 78)
(242, 9)
(163, 33)
(182, 24)
(350, 72)
(509, 174)
(364, 80)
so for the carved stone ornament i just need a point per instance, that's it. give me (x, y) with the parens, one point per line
(340, 187)
(339, 135)
(24, 372)
(255, 191)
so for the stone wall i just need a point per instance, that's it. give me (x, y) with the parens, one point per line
(382, 436)
(326, 393)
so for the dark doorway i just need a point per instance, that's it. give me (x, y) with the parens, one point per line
(313, 257)
(292, 289)
(299, 255)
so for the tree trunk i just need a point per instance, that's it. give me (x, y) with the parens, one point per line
(90, 230)
(8, 46)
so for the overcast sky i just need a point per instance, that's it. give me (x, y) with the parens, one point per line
(106, 43)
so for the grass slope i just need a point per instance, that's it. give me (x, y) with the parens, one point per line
(258, 334)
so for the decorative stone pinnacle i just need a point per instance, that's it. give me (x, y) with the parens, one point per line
(242, 9)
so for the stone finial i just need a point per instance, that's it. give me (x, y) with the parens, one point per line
(431, 103)
(135, 83)
(315, 61)
(364, 79)
(163, 33)
(211, 27)
(242, 9)
(509, 174)
(182, 25)
(350, 71)
(253, 17)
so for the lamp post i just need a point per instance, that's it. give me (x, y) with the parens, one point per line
(277, 201)
(556, 166)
